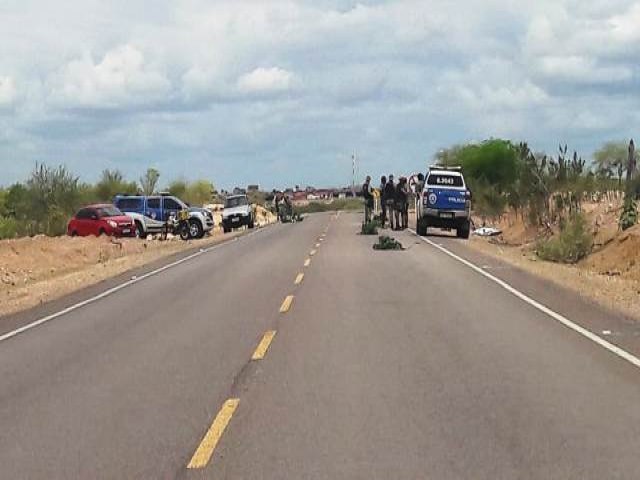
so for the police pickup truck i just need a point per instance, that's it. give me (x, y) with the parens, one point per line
(445, 202)
(150, 213)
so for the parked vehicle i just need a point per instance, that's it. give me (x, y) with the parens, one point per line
(237, 212)
(151, 214)
(102, 219)
(445, 202)
(178, 224)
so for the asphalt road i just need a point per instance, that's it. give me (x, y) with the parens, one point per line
(383, 365)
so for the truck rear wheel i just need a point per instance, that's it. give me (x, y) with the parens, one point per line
(421, 227)
(464, 230)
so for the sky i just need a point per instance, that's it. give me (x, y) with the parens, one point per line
(282, 92)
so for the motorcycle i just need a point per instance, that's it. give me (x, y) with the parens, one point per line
(178, 224)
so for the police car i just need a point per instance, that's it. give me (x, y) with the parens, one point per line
(445, 202)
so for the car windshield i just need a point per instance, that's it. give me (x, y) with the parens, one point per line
(108, 211)
(235, 202)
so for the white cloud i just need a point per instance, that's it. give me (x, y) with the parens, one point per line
(8, 92)
(582, 70)
(266, 80)
(121, 79)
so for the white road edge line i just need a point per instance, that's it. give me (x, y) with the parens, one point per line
(117, 288)
(556, 316)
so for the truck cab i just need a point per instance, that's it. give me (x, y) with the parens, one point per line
(445, 202)
(237, 212)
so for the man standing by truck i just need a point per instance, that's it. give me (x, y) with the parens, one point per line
(389, 198)
(368, 199)
(383, 205)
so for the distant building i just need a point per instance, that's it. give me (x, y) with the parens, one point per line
(253, 188)
(300, 199)
(239, 191)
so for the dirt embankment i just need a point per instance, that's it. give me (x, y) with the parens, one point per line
(610, 275)
(36, 270)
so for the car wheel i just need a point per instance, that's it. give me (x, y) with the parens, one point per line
(226, 229)
(185, 231)
(195, 229)
(251, 223)
(101, 232)
(140, 233)
(74, 233)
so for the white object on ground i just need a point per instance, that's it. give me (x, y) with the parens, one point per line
(487, 232)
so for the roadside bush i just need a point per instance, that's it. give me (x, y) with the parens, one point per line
(629, 215)
(8, 227)
(573, 243)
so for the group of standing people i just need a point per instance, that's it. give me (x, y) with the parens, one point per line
(394, 199)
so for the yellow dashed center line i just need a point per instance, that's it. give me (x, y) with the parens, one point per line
(313, 252)
(307, 262)
(286, 304)
(263, 346)
(208, 444)
(317, 245)
(299, 279)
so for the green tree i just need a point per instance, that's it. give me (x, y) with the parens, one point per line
(111, 183)
(149, 181)
(494, 162)
(53, 196)
(4, 193)
(194, 193)
(199, 192)
(178, 188)
(611, 160)
(448, 157)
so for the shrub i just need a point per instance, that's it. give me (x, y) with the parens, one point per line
(573, 243)
(629, 215)
(8, 227)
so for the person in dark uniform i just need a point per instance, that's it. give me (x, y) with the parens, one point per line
(389, 196)
(383, 205)
(419, 188)
(368, 199)
(402, 204)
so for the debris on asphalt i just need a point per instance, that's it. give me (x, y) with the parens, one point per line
(369, 228)
(387, 243)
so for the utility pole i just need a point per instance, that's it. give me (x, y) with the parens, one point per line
(353, 174)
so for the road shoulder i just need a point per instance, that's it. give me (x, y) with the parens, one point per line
(562, 295)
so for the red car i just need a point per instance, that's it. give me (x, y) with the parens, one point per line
(103, 219)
